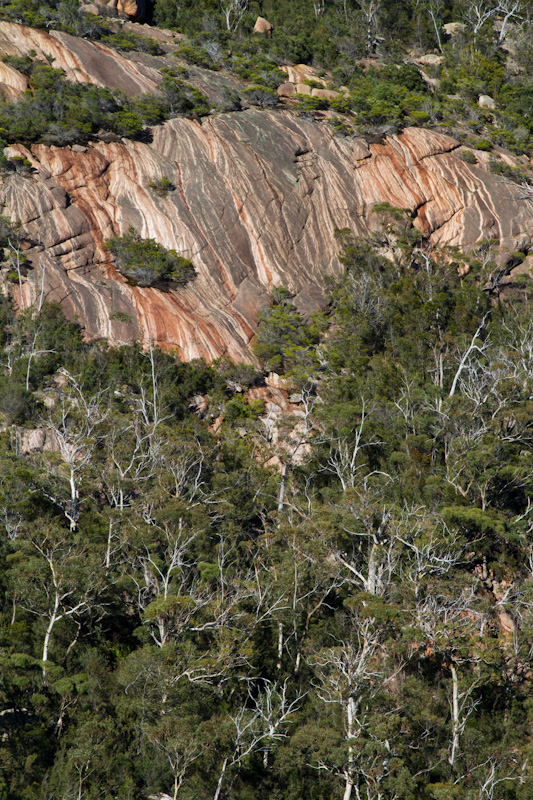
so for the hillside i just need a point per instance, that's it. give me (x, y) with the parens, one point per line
(266, 400)
(255, 198)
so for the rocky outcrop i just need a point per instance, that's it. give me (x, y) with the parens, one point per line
(82, 61)
(299, 81)
(12, 82)
(93, 62)
(258, 198)
(134, 9)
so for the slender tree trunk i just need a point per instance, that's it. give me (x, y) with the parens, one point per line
(221, 779)
(74, 496)
(437, 32)
(350, 716)
(297, 661)
(280, 644)
(16, 251)
(373, 565)
(455, 719)
(108, 548)
(281, 496)
(30, 359)
(464, 359)
(50, 627)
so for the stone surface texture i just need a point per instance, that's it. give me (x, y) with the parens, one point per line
(259, 195)
(263, 26)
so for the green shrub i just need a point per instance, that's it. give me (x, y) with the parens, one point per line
(196, 55)
(128, 42)
(502, 168)
(479, 144)
(285, 341)
(120, 316)
(23, 64)
(175, 72)
(161, 186)
(260, 96)
(340, 126)
(308, 103)
(145, 262)
(16, 403)
(468, 157)
(60, 112)
(183, 99)
(257, 68)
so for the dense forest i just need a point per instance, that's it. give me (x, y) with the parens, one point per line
(202, 600)
(216, 584)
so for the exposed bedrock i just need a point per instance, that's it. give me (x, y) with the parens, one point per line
(258, 197)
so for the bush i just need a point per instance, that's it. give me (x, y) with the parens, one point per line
(195, 55)
(16, 403)
(502, 168)
(59, 112)
(121, 316)
(260, 96)
(183, 99)
(128, 42)
(340, 127)
(161, 186)
(147, 263)
(468, 157)
(283, 336)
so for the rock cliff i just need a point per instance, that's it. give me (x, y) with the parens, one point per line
(258, 196)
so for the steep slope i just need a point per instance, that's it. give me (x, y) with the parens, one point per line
(258, 198)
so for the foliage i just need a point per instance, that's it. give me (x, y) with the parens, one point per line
(161, 186)
(145, 262)
(214, 588)
(128, 41)
(58, 111)
(178, 618)
(284, 339)
(260, 96)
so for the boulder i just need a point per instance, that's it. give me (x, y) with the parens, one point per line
(486, 101)
(453, 28)
(134, 9)
(263, 26)
(326, 94)
(298, 73)
(37, 440)
(430, 60)
(286, 90)
(91, 8)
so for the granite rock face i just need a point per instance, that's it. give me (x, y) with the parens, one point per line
(82, 61)
(258, 198)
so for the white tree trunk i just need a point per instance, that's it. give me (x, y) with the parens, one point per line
(281, 496)
(220, 779)
(49, 628)
(455, 718)
(350, 717)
